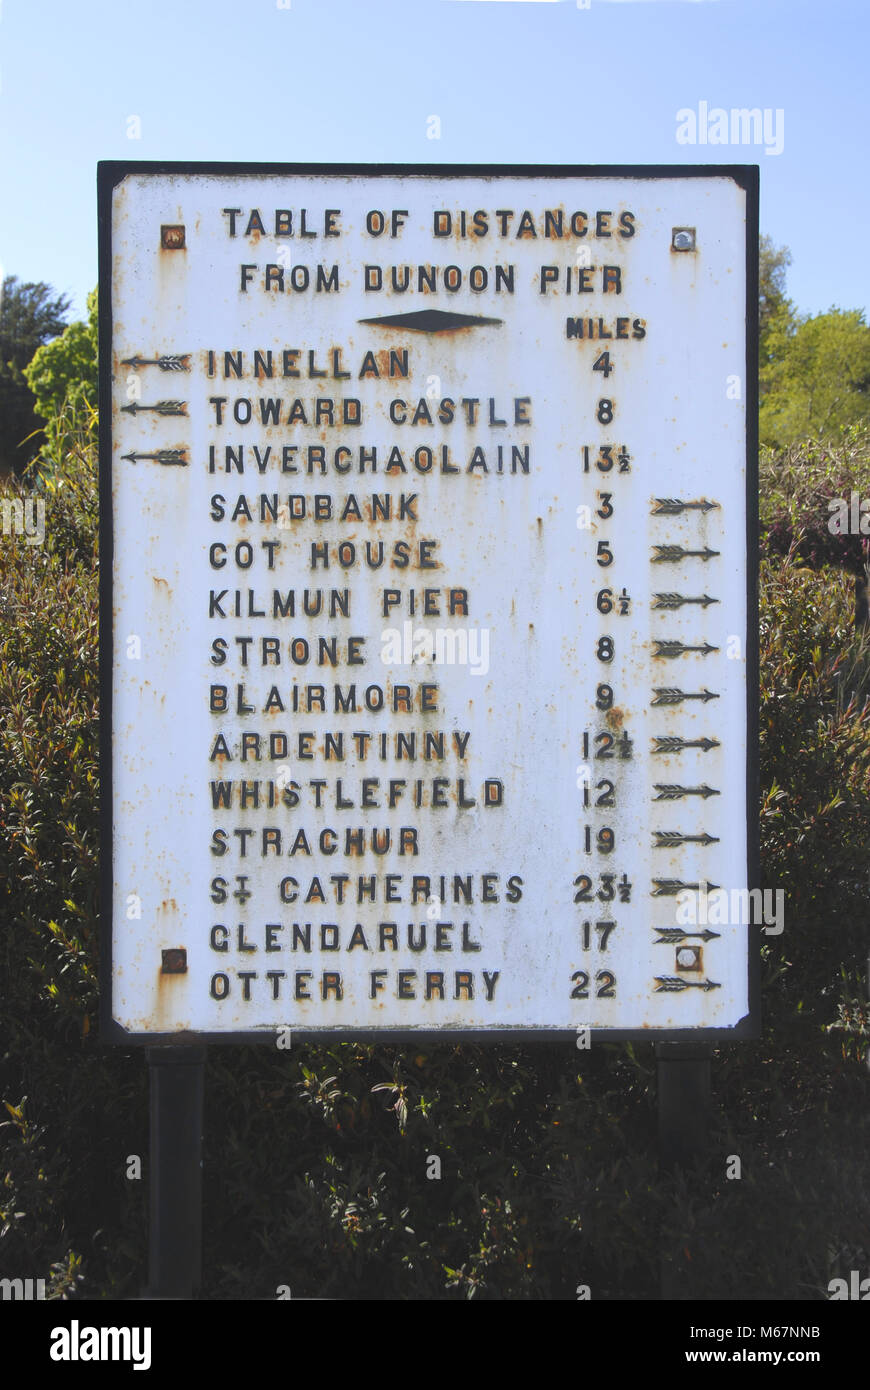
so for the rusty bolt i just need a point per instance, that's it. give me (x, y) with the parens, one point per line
(172, 237)
(174, 961)
(688, 957)
(683, 239)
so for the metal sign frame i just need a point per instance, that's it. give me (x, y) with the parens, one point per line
(110, 174)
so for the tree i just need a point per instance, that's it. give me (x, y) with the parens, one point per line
(815, 376)
(772, 302)
(66, 365)
(30, 316)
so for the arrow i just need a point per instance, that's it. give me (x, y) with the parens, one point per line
(677, 600)
(676, 745)
(672, 506)
(670, 695)
(165, 456)
(173, 362)
(672, 553)
(671, 936)
(669, 791)
(162, 408)
(674, 648)
(670, 887)
(669, 839)
(672, 983)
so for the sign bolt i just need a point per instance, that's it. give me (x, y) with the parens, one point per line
(683, 239)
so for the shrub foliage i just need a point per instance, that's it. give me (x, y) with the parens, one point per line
(319, 1168)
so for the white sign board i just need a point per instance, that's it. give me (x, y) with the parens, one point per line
(427, 621)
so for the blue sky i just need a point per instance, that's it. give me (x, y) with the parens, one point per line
(512, 81)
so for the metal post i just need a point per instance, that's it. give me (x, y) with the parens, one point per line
(177, 1082)
(684, 1100)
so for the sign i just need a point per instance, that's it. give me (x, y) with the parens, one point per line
(428, 617)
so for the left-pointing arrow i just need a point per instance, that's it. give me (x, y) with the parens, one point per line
(165, 456)
(169, 362)
(160, 408)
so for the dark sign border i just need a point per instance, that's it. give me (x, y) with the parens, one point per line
(109, 174)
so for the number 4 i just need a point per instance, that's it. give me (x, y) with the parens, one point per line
(603, 364)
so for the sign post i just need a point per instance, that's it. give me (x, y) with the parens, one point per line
(428, 611)
(177, 1082)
